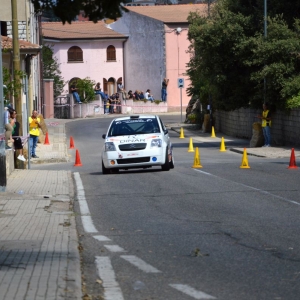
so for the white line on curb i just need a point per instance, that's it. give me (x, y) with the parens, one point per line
(86, 219)
(188, 290)
(111, 287)
(139, 263)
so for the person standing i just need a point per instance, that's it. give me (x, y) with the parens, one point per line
(34, 132)
(164, 89)
(266, 124)
(8, 128)
(15, 134)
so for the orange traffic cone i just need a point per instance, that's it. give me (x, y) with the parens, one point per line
(47, 139)
(293, 160)
(72, 146)
(77, 159)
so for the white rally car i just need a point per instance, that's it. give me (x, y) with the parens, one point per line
(136, 142)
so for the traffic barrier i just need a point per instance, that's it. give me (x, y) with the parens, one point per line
(245, 164)
(72, 146)
(191, 147)
(197, 163)
(222, 147)
(47, 139)
(213, 132)
(293, 160)
(77, 159)
(181, 133)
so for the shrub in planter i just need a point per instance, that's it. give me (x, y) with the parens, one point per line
(157, 101)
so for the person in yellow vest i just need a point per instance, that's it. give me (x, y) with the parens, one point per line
(34, 132)
(266, 124)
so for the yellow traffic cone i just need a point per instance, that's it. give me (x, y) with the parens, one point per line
(191, 147)
(222, 147)
(213, 132)
(245, 164)
(181, 134)
(197, 163)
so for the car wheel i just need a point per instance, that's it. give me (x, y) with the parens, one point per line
(166, 165)
(104, 170)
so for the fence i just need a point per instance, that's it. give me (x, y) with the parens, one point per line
(62, 107)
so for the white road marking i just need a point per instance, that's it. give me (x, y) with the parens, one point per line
(112, 291)
(188, 290)
(140, 264)
(114, 248)
(253, 188)
(86, 219)
(101, 238)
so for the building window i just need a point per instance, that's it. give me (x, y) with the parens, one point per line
(111, 53)
(75, 54)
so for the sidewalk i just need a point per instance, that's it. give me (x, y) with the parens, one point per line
(39, 257)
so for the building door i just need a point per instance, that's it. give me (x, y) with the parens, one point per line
(111, 86)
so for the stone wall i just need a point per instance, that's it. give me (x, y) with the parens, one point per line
(285, 126)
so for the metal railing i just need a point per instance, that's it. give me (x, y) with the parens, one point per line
(62, 107)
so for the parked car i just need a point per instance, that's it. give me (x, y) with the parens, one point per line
(137, 141)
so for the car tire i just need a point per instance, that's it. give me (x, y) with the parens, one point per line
(104, 170)
(166, 165)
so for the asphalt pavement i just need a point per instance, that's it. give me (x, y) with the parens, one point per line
(39, 253)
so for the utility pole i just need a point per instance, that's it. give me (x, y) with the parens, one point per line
(16, 70)
(16, 63)
(265, 37)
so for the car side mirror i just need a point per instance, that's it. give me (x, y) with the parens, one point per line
(166, 131)
(104, 136)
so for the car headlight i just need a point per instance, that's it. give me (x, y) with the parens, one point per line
(109, 146)
(156, 143)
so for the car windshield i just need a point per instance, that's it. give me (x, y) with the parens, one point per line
(134, 126)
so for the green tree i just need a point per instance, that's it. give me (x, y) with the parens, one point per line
(67, 10)
(232, 58)
(12, 87)
(217, 68)
(51, 70)
(85, 89)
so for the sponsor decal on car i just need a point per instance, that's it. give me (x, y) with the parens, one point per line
(132, 141)
(132, 154)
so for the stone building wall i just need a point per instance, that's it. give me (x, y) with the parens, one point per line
(285, 126)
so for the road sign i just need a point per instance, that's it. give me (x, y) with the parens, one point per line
(180, 82)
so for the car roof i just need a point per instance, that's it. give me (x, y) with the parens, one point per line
(136, 116)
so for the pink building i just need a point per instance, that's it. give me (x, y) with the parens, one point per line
(157, 47)
(87, 50)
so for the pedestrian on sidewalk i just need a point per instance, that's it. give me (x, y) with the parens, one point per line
(266, 124)
(34, 132)
(164, 90)
(15, 134)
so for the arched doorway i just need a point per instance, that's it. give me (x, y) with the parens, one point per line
(111, 86)
(73, 81)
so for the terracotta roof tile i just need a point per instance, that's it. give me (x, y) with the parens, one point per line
(169, 13)
(78, 30)
(7, 43)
